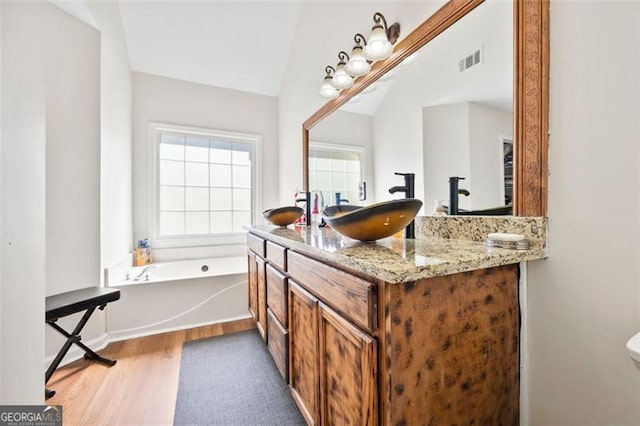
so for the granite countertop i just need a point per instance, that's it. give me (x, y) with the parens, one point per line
(395, 260)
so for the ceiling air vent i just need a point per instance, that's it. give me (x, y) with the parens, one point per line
(470, 60)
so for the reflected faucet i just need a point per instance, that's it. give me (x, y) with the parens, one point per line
(307, 207)
(454, 191)
(340, 200)
(409, 190)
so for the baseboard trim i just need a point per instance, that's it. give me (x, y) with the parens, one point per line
(99, 343)
(124, 335)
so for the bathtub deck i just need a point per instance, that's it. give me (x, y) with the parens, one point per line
(178, 271)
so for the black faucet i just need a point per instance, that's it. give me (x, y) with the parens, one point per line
(454, 191)
(307, 202)
(409, 191)
(340, 200)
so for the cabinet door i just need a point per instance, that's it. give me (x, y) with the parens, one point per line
(262, 298)
(303, 351)
(348, 372)
(252, 285)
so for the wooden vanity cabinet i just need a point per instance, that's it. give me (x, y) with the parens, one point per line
(440, 350)
(333, 362)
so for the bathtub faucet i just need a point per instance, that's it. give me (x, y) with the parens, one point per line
(144, 272)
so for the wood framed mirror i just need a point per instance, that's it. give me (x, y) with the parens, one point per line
(531, 93)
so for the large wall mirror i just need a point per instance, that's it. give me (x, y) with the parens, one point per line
(465, 94)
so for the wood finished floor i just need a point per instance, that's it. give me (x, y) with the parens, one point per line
(140, 389)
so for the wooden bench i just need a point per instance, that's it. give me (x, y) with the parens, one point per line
(71, 302)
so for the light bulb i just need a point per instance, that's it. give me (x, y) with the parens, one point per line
(358, 64)
(378, 46)
(327, 90)
(341, 79)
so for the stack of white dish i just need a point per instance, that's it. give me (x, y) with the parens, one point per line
(507, 241)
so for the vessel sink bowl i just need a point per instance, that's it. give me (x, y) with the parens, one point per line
(283, 216)
(373, 222)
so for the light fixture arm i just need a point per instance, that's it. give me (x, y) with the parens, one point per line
(392, 32)
(344, 57)
(360, 40)
(330, 71)
(377, 18)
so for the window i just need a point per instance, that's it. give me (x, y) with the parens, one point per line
(204, 182)
(336, 169)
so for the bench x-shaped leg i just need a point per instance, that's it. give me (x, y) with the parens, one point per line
(73, 337)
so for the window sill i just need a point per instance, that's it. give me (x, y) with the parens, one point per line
(181, 242)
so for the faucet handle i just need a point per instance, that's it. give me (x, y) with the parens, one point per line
(404, 174)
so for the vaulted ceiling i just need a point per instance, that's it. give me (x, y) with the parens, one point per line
(241, 45)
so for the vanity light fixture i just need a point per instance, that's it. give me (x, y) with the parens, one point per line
(341, 78)
(358, 64)
(380, 43)
(327, 90)
(378, 47)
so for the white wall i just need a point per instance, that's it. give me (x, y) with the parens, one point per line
(179, 102)
(165, 100)
(461, 139)
(116, 215)
(73, 153)
(583, 300)
(397, 130)
(447, 151)
(486, 124)
(72, 83)
(23, 202)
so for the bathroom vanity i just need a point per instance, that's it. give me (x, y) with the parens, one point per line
(397, 332)
(411, 331)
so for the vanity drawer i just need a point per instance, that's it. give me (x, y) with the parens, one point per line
(354, 297)
(278, 344)
(256, 244)
(277, 293)
(277, 255)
